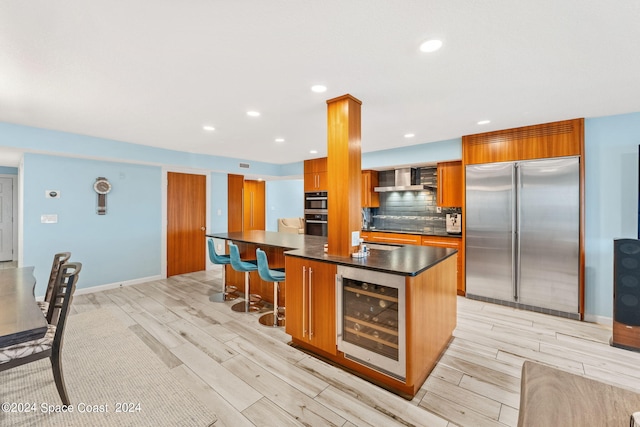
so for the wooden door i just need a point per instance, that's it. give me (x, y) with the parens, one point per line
(235, 185)
(254, 205)
(186, 223)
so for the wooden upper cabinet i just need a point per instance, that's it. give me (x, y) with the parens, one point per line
(315, 165)
(557, 139)
(370, 199)
(315, 175)
(450, 188)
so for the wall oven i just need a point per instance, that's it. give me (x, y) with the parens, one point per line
(315, 202)
(316, 224)
(371, 319)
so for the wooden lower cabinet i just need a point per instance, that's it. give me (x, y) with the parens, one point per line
(450, 242)
(311, 296)
(400, 238)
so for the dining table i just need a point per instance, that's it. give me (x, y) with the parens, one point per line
(21, 319)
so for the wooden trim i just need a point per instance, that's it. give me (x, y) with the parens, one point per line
(557, 139)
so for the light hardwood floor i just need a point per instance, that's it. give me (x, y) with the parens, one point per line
(249, 375)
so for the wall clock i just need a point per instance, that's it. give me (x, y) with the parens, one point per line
(102, 186)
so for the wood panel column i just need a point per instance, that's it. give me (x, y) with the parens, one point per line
(344, 173)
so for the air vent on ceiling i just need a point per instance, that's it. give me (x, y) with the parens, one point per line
(244, 165)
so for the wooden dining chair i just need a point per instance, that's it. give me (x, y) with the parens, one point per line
(58, 260)
(51, 344)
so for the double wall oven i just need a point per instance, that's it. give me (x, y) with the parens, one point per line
(316, 213)
(371, 311)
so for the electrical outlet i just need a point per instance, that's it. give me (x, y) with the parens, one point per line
(355, 238)
(438, 209)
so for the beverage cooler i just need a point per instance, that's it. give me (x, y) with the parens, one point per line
(371, 319)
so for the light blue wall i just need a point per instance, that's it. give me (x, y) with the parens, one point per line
(218, 208)
(422, 153)
(285, 199)
(611, 154)
(122, 245)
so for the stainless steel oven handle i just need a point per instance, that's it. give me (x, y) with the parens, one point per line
(315, 198)
(313, 221)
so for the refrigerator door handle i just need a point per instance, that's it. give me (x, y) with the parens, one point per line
(515, 233)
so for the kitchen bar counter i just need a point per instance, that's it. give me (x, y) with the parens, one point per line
(408, 260)
(405, 260)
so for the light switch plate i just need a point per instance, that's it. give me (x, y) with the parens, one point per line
(49, 218)
(355, 238)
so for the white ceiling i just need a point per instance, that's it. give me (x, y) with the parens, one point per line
(153, 72)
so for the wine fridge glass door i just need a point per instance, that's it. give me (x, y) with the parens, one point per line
(371, 319)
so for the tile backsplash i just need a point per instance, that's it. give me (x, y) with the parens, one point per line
(411, 211)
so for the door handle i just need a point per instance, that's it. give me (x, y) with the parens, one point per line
(310, 304)
(202, 228)
(304, 297)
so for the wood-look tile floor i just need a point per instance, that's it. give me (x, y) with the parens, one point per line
(250, 377)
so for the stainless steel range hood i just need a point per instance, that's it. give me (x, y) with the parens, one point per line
(407, 179)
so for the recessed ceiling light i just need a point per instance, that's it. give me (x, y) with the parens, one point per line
(253, 113)
(484, 122)
(208, 128)
(279, 139)
(313, 151)
(431, 45)
(318, 88)
(409, 135)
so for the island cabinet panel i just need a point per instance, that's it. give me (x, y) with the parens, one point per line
(431, 319)
(450, 187)
(315, 175)
(370, 199)
(311, 296)
(450, 242)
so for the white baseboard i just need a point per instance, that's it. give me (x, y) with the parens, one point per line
(99, 288)
(600, 320)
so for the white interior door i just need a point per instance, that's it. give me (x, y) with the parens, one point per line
(6, 219)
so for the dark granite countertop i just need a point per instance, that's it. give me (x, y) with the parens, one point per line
(408, 260)
(418, 233)
(273, 238)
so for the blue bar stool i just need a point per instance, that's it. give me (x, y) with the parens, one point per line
(274, 319)
(251, 301)
(230, 292)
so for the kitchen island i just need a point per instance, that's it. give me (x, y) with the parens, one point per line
(386, 317)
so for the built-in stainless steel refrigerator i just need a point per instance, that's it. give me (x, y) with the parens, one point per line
(522, 234)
